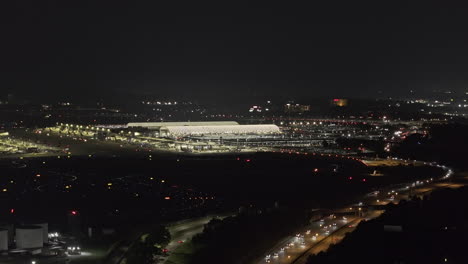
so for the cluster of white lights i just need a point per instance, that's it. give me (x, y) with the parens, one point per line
(52, 235)
(160, 103)
(256, 108)
(73, 248)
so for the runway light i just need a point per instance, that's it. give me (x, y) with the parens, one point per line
(74, 212)
(167, 198)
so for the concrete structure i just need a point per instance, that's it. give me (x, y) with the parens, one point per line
(45, 231)
(10, 229)
(28, 237)
(3, 240)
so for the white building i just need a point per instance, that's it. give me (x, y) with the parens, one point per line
(206, 128)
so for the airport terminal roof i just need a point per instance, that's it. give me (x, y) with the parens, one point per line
(223, 129)
(170, 124)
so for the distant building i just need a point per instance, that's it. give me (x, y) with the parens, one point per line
(339, 102)
(296, 108)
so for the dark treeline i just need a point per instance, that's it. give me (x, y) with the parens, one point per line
(432, 229)
(239, 239)
(148, 246)
(447, 144)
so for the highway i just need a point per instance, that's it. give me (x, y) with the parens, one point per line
(295, 246)
(332, 229)
(334, 238)
(183, 231)
(180, 231)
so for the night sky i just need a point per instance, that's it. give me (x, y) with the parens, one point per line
(220, 51)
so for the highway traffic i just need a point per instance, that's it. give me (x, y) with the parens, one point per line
(331, 229)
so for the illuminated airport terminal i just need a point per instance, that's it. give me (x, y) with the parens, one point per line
(176, 136)
(180, 129)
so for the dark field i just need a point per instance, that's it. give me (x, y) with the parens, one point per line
(117, 191)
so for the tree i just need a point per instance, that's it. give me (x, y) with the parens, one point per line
(149, 246)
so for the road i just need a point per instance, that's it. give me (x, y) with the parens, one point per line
(295, 246)
(334, 238)
(180, 231)
(183, 231)
(297, 249)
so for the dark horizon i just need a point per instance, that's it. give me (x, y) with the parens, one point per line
(221, 51)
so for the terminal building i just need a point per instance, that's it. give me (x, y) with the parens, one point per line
(180, 129)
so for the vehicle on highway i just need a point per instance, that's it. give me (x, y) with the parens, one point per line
(73, 250)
